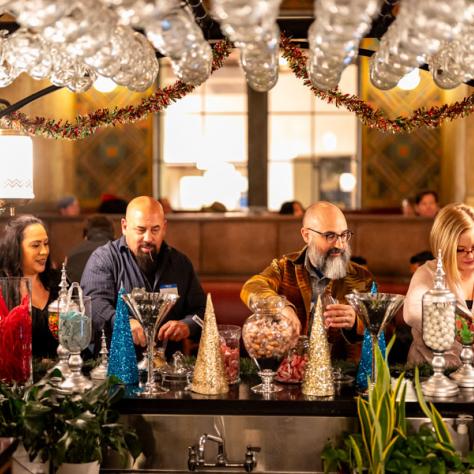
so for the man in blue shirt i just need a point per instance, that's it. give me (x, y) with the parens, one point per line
(142, 259)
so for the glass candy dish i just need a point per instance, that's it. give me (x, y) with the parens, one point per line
(268, 335)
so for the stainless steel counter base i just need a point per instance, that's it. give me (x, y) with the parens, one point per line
(288, 443)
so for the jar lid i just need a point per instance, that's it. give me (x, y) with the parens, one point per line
(57, 306)
(169, 373)
(177, 371)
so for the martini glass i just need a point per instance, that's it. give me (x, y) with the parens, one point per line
(150, 310)
(375, 310)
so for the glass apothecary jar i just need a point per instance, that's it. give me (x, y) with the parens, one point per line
(292, 367)
(439, 332)
(268, 335)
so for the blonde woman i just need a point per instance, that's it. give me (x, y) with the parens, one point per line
(453, 233)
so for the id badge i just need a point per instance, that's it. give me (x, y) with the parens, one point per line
(171, 289)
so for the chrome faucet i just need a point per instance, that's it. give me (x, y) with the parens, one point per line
(196, 458)
(220, 458)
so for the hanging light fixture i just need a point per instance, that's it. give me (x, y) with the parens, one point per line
(72, 42)
(16, 175)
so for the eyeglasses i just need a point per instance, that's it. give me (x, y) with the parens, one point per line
(332, 237)
(465, 251)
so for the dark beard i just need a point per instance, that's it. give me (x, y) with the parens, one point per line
(147, 261)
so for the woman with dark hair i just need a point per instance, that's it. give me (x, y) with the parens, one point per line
(294, 208)
(24, 252)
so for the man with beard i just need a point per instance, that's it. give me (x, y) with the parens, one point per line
(322, 267)
(142, 259)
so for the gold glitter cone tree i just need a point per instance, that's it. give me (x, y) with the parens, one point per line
(209, 373)
(318, 378)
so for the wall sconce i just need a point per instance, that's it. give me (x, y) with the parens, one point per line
(16, 175)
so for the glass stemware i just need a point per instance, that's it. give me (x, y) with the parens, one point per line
(75, 329)
(150, 309)
(375, 310)
(268, 335)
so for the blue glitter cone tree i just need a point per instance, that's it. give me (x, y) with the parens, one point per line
(122, 357)
(364, 371)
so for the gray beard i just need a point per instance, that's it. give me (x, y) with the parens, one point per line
(331, 267)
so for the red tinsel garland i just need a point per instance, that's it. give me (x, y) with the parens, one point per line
(375, 118)
(86, 125)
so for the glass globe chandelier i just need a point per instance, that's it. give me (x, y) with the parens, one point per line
(72, 42)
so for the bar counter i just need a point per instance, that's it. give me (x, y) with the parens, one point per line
(240, 400)
(289, 429)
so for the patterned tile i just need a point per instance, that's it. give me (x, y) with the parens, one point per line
(116, 160)
(397, 166)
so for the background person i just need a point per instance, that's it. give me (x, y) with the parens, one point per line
(98, 230)
(293, 208)
(24, 252)
(408, 207)
(453, 233)
(216, 206)
(69, 206)
(141, 258)
(165, 203)
(322, 266)
(112, 204)
(419, 259)
(427, 204)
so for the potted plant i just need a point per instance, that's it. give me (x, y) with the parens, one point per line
(66, 429)
(385, 442)
(15, 412)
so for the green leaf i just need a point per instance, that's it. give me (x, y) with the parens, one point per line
(401, 414)
(389, 346)
(419, 395)
(441, 429)
(357, 455)
(388, 449)
(365, 423)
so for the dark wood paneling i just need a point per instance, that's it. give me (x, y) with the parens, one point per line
(230, 247)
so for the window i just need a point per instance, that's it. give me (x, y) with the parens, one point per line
(302, 131)
(204, 140)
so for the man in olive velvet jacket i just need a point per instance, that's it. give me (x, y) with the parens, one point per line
(323, 266)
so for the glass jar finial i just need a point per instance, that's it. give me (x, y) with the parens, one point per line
(440, 275)
(63, 285)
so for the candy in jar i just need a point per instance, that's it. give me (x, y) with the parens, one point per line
(268, 334)
(292, 367)
(230, 350)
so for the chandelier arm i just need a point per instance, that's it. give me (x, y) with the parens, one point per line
(18, 105)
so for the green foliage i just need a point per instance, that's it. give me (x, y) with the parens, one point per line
(384, 444)
(464, 330)
(73, 428)
(381, 420)
(422, 453)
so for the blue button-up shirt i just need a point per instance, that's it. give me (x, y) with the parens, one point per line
(113, 266)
